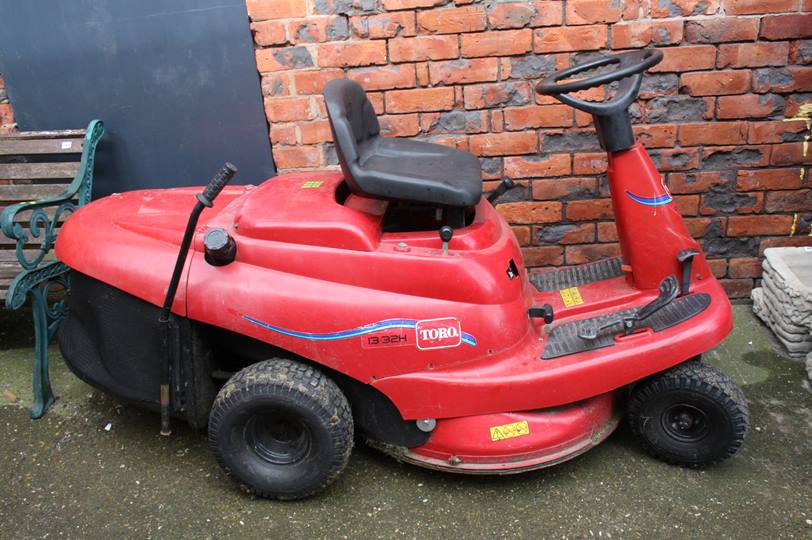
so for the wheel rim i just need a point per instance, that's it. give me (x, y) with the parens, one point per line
(278, 438)
(685, 422)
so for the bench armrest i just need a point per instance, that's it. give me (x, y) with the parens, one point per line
(41, 225)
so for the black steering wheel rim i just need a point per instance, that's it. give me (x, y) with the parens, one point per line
(630, 63)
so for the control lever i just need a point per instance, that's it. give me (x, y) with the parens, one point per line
(686, 257)
(446, 233)
(669, 289)
(506, 185)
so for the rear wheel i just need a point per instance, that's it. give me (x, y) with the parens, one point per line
(282, 429)
(691, 415)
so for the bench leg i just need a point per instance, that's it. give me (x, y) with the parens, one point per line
(43, 395)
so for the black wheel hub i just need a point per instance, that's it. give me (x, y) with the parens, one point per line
(278, 438)
(685, 422)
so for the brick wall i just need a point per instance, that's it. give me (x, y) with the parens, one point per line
(717, 114)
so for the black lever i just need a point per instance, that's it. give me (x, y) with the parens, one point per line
(686, 257)
(446, 233)
(545, 312)
(669, 289)
(504, 186)
(204, 200)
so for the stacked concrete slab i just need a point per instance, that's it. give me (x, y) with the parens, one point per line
(784, 301)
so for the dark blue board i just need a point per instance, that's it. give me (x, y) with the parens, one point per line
(174, 81)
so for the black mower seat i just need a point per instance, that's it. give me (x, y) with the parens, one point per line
(393, 168)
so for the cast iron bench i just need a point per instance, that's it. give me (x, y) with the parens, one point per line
(36, 169)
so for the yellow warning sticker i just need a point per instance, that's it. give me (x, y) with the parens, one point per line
(311, 184)
(508, 431)
(571, 297)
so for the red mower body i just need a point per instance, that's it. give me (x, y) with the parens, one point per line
(444, 336)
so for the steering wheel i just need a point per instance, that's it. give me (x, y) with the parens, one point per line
(630, 68)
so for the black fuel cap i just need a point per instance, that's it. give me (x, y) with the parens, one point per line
(220, 247)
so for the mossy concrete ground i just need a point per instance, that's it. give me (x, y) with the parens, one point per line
(66, 476)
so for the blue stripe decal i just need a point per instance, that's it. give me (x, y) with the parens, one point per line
(352, 332)
(650, 201)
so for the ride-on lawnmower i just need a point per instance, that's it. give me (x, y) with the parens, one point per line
(390, 300)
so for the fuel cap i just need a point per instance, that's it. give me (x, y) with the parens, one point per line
(220, 247)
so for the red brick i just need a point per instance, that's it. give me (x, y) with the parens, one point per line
(313, 82)
(676, 159)
(422, 70)
(641, 34)
(284, 58)
(537, 166)
(570, 38)
(748, 180)
(758, 225)
(798, 200)
(504, 144)
(464, 71)
(318, 29)
(738, 156)
(400, 125)
(575, 233)
(686, 58)
(394, 5)
(484, 96)
(713, 133)
(385, 25)
(593, 11)
(294, 157)
(497, 43)
(561, 188)
(721, 29)
(6, 114)
(352, 53)
(656, 136)
(753, 54)
(522, 234)
(592, 163)
(530, 212)
(790, 154)
(737, 288)
(789, 79)
(787, 26)
(288, 109)
(715, 83)
(660, 9)
(521, 14)
(283, 134)
(276, 9)
(269, 33)
(589, 210)
(758, 7)
(746, 203)
(315, 132)
(696, 182)
(800, 52)
(747, 106)
(461, 122)
(590, 253)
(543, 256)
(697, 226)
(384, 77)
(536, 116)
(276, 84)
(787, 241)
(746, 267)
(718, 267)
(420, 99)
(797, 106)
(607, 232)
(776, 131)
(687, 205)
(423, 48)
(452, 21)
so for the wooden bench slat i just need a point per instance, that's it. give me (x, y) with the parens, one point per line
(29, 192)
(37, 171)
(53, 134)
(21, 147)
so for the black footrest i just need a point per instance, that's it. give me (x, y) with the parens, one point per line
(564, 339)
(577, 275)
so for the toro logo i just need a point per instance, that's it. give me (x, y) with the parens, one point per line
(438, 333)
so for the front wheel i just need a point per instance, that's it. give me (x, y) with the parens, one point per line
(691, 415)
(282, 429)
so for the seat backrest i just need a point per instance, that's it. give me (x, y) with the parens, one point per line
(352, 120)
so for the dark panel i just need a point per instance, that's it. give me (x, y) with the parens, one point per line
(174, 81)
